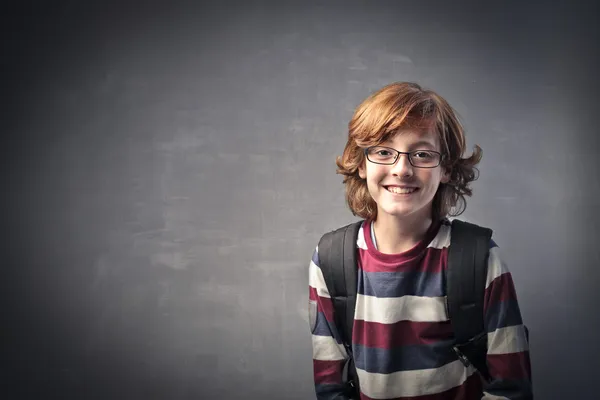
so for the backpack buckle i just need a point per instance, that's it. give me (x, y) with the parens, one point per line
(463, 359)
(471, 347)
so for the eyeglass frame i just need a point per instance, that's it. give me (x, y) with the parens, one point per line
(399, 153)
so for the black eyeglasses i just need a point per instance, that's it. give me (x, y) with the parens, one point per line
(417, 158)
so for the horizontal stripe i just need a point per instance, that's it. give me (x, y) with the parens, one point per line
(496, 266)
(431, 260)
(514, 366)
(373, 334)
(510, 339)
(407, 308)
(316, 280)
(322, 327)
(413, 383)
(434, 261)
(324, 304)
(404, 358)
(325, 322)
(398, 284)
(502, 314)
(328, 372)
(326, 348)
(312, 294)
(329, 391)
(470, 389)
(501, 289)
(509, 389)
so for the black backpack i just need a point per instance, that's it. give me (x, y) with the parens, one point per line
(465, 286)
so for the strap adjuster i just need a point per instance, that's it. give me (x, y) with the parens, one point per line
(463, 359)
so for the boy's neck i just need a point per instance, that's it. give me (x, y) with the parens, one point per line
(395, 235)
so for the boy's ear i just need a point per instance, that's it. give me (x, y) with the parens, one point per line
(446, 173)
(361, 171)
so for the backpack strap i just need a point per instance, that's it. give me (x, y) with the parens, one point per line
(337, 260)
(465, 282)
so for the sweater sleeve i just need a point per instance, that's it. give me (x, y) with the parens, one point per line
(508, 346)
(329, 354)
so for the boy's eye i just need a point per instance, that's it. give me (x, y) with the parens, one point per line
(422, 154)
(384, 153)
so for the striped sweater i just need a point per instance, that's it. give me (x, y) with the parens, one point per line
(402, 335)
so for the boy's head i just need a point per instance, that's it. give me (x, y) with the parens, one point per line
(403, 117)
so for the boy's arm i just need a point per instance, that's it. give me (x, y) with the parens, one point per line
(329, 355)
(508, 348)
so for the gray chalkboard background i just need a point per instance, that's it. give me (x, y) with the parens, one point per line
(168, 171)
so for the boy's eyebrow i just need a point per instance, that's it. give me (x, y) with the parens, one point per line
(415, 145)
(422, 143)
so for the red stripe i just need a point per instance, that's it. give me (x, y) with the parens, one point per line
(328, 372)
(500, 289)
(402, 333)
(470, 389)
(312, 293)
(324, 304)
(433, 261)
(510, 366)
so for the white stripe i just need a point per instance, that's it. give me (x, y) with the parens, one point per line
(442, 239)
(316, 280)
(511, 339)
(360, 240)
(413, 383)
(496, 266)
(325, 348)
(389, 310)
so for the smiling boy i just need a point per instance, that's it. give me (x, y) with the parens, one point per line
(404, 175)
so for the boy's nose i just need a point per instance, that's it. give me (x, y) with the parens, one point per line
(402, 167)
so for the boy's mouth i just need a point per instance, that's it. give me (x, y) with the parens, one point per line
(401, 189)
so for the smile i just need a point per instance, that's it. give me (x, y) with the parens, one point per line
(400, 191)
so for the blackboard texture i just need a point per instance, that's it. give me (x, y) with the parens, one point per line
(167, 173)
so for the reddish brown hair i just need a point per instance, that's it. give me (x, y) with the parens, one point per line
(407, 105)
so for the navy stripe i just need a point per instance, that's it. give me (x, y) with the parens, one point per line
(403, 358)
(492, 243)
(511, 389)
(503, 314)
(329, 391)
(315, 257)
(323, 328)
(398, 284)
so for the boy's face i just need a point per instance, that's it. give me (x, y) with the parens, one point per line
(380, 177)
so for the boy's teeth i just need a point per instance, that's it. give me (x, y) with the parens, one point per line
(401, 190)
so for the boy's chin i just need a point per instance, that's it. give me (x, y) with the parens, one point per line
(396, 212)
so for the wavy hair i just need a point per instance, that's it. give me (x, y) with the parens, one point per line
(407, 105)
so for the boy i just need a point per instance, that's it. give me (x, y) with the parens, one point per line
(404, 173)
